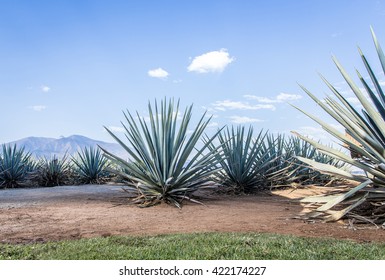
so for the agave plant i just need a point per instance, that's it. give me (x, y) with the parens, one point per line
(53, 172)
(166, 163)
(243, 160)
(365, 136)
(16, 166)
(91, 166)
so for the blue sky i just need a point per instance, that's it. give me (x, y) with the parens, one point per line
(72, 66)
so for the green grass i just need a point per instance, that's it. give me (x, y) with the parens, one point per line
(207, 246)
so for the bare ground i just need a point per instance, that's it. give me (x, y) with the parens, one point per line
(45, 214)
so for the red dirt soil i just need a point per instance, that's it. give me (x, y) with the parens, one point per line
(68, 214)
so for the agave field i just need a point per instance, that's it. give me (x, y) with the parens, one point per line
(166, 164)
(171, 158)
(169, 163)
(19, 169)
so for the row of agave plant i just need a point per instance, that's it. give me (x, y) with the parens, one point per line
(166, 164)
(19, 169)
(171, 160)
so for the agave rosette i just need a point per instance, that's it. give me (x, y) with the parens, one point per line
(243, 158)
(166, 163)
(91, 166)
(365, 136)
(53, 171)
(16, 167)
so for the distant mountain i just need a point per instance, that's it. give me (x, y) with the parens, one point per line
(47, 147)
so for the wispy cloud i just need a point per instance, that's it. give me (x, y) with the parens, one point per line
(318, 133)
(233, 105)
(208, 109)
(38, 108)
(116, 129)
(283, 97)
(45, 88)
(215, 61)
(280, 98)
(158, 73)
(213, 124)
(353, 100)
(244, 119)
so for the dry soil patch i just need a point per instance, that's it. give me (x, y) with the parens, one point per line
(39, 215)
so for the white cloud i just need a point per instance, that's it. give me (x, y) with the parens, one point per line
(38, 108)
(243, 119)
(158, 73)
(215, 61)
(339, 85)
(280, 98)
(260, 98)
(318, 132)
(116, 129)
(228, 104)
(213, 124)
(353, 100)
(207, 109)
(45, 88)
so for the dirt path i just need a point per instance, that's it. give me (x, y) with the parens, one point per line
(38, 215)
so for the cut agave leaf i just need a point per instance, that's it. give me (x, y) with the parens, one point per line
(344, 196)
(329, 169)
(336, 215)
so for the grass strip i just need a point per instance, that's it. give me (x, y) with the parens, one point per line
(199, 246)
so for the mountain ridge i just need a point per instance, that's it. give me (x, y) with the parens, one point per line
(59, 147)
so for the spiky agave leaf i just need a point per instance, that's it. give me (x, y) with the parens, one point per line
(91, 166)
(365, 136)
(166, 164)
(16, 166)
